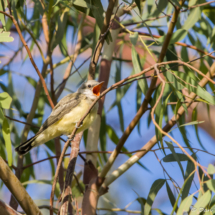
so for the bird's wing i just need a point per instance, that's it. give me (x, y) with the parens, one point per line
(64, 106)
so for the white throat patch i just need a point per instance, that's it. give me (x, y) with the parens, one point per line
(88, 93)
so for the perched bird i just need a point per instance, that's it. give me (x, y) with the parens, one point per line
(65, 116)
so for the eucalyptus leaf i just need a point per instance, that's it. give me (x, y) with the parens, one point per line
(176, 37)
(202, 202)
(170, 194)
(190, 168)
(170, 145)
(5, 37)
(8, 144)
(137, 69)
(156, 186)
(5, 100)
(192, 19)
(211, 185)
(171, 158)
(211, 169)
(134, 38)
(185, 205)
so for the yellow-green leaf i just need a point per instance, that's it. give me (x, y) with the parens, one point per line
(202, 202)
(6, 136)
(5, 37)
(5, 100)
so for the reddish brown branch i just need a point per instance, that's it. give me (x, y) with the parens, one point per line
(148, 146)
(66, 207)
(107, 152)
(144, 105)
(31, 58)
(7, 210)
(177, 43)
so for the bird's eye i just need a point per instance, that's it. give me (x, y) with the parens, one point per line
(89, 86)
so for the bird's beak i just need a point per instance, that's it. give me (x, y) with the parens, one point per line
(97, 88)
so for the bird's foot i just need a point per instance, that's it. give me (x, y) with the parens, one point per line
(70, 138)
(76, 125)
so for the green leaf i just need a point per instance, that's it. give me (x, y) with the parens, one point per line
(118, 96)
(179, 195)
(156, 186)
(159, 8)
(192, 123)
(134, 38)
(138, 104)
(31, 81)
(176, 3)
(102, 135)
(51, 163)
(171, 158)
(6, 136)
(170, 145)
(5, 37)
(176, 36)
(211, 169)
(172, 55)
(142, 201)
(202, 202)
(1, 116)
(61, 27)
(138, 3)
(2, 18)
(63, 45)
(121, 119)
(178, 105)
(5, 100)
(37, 182)
(137, 69)
(190, 168)
(83, 3)
(185, 58)
(192, 19)
(174, 81)
(185, 205)
(112, 135)
(193, 86)
(98, 12)
(28, 160)
(170, 194)
(211, 185)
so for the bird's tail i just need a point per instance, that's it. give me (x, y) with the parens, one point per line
(26, 146)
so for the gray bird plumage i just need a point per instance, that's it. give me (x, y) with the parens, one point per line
(83, 97)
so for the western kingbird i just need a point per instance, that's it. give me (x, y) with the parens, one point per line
(65, 116)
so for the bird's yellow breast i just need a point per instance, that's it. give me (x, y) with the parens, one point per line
(68, 122)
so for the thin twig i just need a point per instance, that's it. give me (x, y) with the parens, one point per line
(30, 57)
(171, 179)
(165, 133)
(99, 45)
(177, 43)
(73, 73)
(109, 152)
(198, 5)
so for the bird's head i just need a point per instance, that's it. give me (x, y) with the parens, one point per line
(91, 88)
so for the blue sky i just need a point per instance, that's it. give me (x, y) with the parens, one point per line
(135, 180)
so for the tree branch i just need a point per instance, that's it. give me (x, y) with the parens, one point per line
(99, 45)
(66, 207)
(30, 57)
(18, 191)
(7, 210)
(144, 105)
(148, 146)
